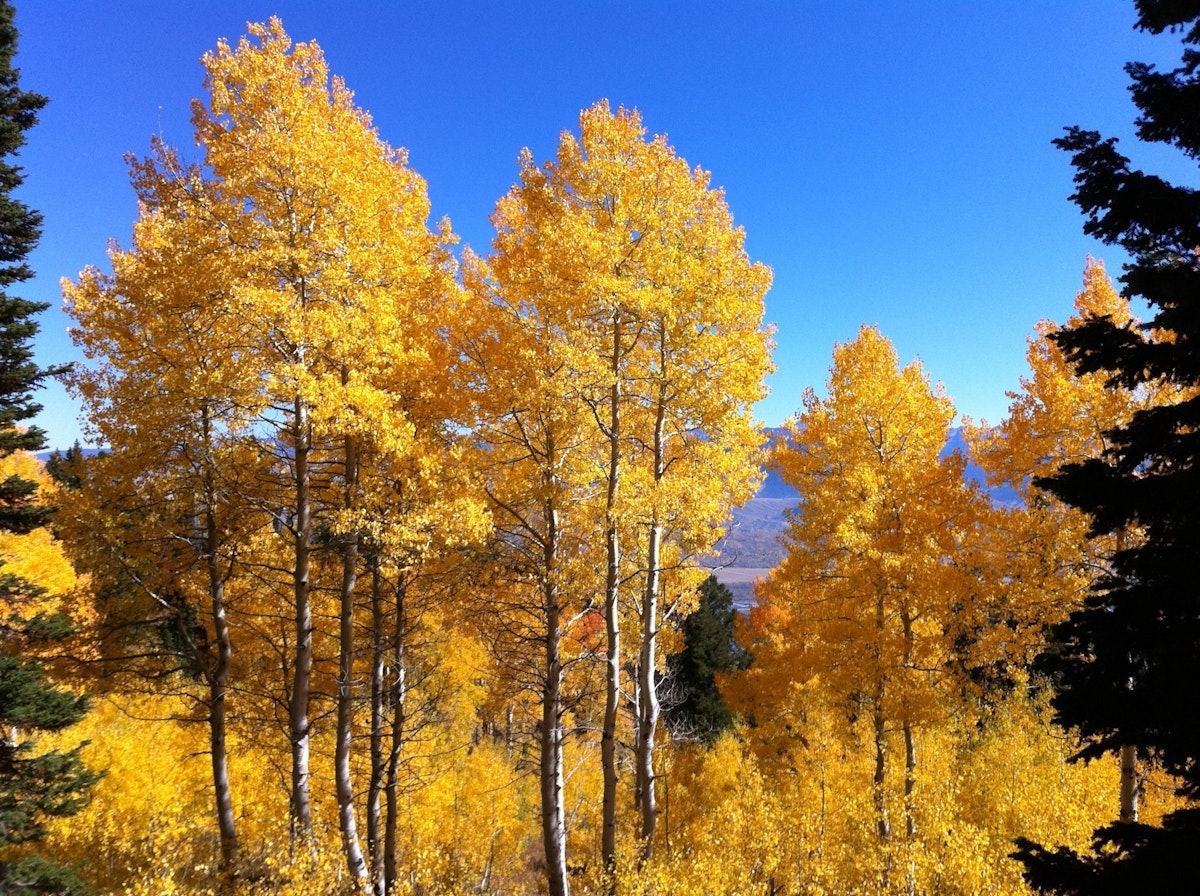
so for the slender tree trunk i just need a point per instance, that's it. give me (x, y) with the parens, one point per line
(399, 695)
(647, 658)
(343, 784)
(648, 716)
(636, 708)
(910, 781)
(910, 746)
(300, 807)
(612, 615)
(1129, 784)
(883, 822)
(218, 690)
(910, 815)
(375, 785)
(554, 824)
(879, 780)
(218, 677)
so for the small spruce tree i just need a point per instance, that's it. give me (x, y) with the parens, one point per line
(696, 707)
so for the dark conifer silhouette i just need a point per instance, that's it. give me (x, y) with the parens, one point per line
(1127, 665)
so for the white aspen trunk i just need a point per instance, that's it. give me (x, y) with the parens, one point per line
(612, 616)
(343, 785)
(218, 690)
(1129, 784)
(879, 779)
(910, 781)
(375, 785)
(300, 806)
(910, 816)
(554, 825)
(399, 695)
(639, 777)
(648, 707)
(218, 677)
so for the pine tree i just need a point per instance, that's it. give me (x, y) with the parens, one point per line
(33, 786)
(1126, 664)
(695, 707)
(20, 228)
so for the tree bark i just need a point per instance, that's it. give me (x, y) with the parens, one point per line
(648, 707)
(612, 615)
(218, 690)
(343, 785)
(378, 768)
(879, 779)
(300, 806)
(554, 826)
(910, 746)
(910, 781)
(399, 695)
(218, 677)
(1129, 784)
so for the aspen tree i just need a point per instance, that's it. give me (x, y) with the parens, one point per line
(869, 580)
(421, 511)
(1061, 417)
(634, 261)
(318, 281)
(172, 412)
(539, 466)
(347, 286)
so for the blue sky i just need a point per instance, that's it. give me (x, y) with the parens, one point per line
(890, 161)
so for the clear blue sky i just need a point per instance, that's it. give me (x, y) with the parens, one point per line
(890, 161)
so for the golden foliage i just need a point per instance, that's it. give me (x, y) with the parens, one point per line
(36, 557)
(590, 384)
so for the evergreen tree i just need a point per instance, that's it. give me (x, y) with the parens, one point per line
(34, 786)
(1126, 664)
(66, 468)
(695, 707)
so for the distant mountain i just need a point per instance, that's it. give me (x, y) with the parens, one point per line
(44, 456)
(752, 537)
(774, 487)
(1005, 495)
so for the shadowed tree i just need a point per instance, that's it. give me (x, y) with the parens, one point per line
(1126, 663)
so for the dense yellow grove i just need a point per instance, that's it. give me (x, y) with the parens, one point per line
(375, 581)
(734, 822)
